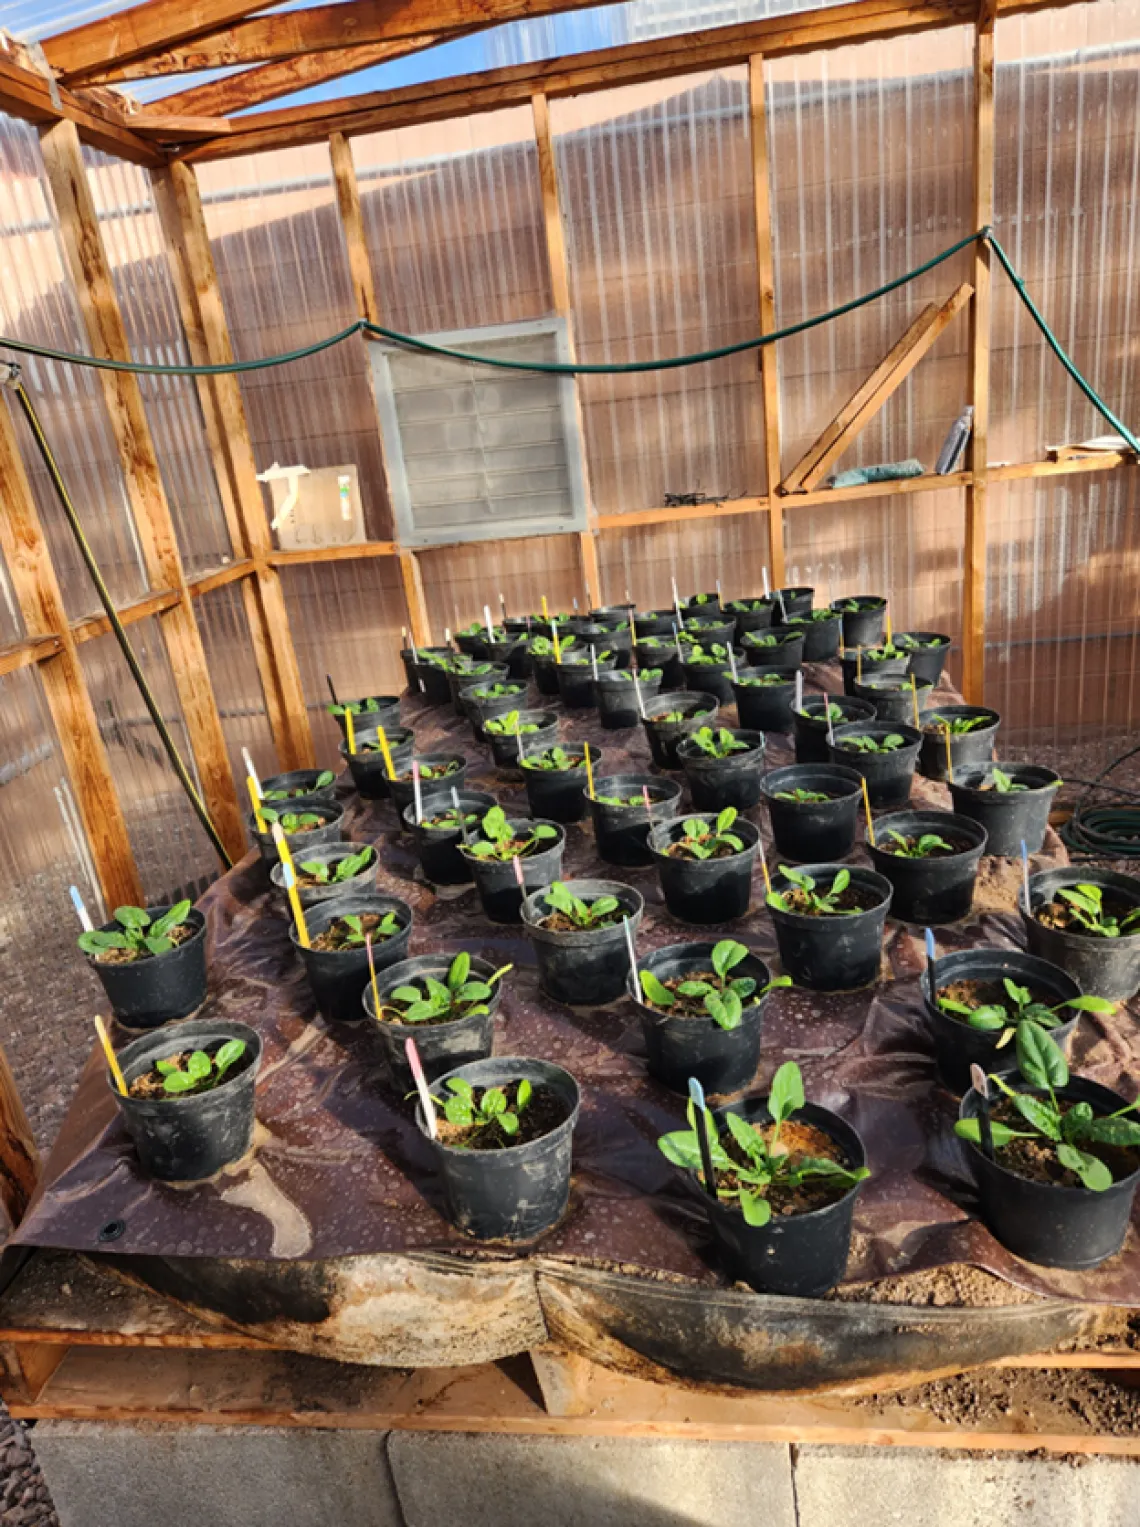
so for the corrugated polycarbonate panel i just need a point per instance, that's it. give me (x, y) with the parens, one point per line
(1063, 614)
(49, 994)
(283, 272)
(656, 191)
(1067, 210)
(870, 154)
(133, 238)
(170, 847)
(37, 304)
(645, 559)
(460, 580)
(346, 619)
(453, 221)
(232, 665)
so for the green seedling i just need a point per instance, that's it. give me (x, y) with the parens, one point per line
(815, 617)
(1062, 1129)
(724, 997)
(878, 654)
(542, 646)
(555, 760)
(1086, 907)
(437, 771)
(998, 1018)
(585, 659)
(854, 606)
(832, 712)
(509, 726)
(803, 797)
(464, 1108)
(917, 848)
(353, 934)
(501, 842)
(494, 691)
(359, 707)
(914, 644)
(747, 606)
(452, 820)
(768, 638)
(709, 657)
(694, 601)
(888, 744)
(764, 680)
(136, 932)
(819, 903)
(957, 726)
(1004, 783)
(462, 663)
(646, 676)
(719, 744)
(632, 800)
(336, 871)
(700, 840)
(203, 1071)
(761, 1165)
(681, 715)
(293, 821)
(594, 914)
(458, 996)
(322, 780)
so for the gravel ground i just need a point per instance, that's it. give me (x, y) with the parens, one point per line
(24, 1497)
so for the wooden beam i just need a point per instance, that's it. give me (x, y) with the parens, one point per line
(26, 94)
(870, 396)
(415, 599)
(37, 592)
(159, 603)
(170, 127)
(766, 301)
(91, 277)
(142, 28)
(247, 568)
(26, 654)
(207, 336)
(974, 554)
(354, 552)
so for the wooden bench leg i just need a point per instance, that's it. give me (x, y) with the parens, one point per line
(563, 1377)
(26, 1366)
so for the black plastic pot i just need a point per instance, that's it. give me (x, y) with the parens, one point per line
(304, 780)
(1012, 817)
(584, 967)
(966, 748)
(957, 1046)
(666, 659)
(369, 771)
(865, 626)
(1046, 1223)
(545, 674)
(705, 891)
(888, 775)
(505, 747)
(705, 604)
(710, 631)
(576, 681)
(814, 831)
(792, 601)
(715, 783)
(438, 847)
(403, 791)
(857, 665)
(810, 728)
(782, 648)
(441, 1046)
(337, 977)
(497, 673)
(411, 661)
(893, 698)
(614, 637)
(495, 880)
(751, 620)
(313, 896)
(765, 707)
(1102, 967)
(483, 708)
(654, 622)
(510, 651)
(559, 795)
(697, 710)
(147, 993)
(298, 843)
(385, 711)
(188, 1138)
(517, 1193)
(800, 1255)
(722, 1060)
(470, 642)
(839, 953)
(433, 682)
(821, 637)
(714, 678)
(925, 662)
(930, 891)
(616, 698)
(620, 832)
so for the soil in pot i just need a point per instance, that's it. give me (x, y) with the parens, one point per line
(336, 963)
(966, 732)
(151, 961)
(368, 765)
(622, 819)
(439, 772)
(283, 791)
(723, 767)
(373, 710)
(931, 858)
(814, 810)
(884, 754)
(774, 649)
(673, 716)
(316, 822)
(829, 921)
(704, 864)
(926, 651)
(537, 846)
(447, 1006)
(578, 929)
(1012, 801)
(821, 633)
(617, 695)
(812, 720)
(556, 780)
(439, 836)
(331, 870)
(864, 619)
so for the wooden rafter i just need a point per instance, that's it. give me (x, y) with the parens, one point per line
(28, 95)
(145, 28)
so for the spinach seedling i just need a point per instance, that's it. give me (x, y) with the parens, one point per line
(761, 1167)
(584, 659)
(464, 1108)
(1061, 1128)
(910, 643)
(494, 691)
(957, 726)
(452, 820)
(349, 932)
(764, 680)
(500, 840)
(681, 715)
(719, 744)
(359, 707)
(293, 821)
(715, 656)
(509, 726)
(203, 1071)
(855, 606)
(432, 1001)
(816, 617)
(701, 840)
(1085, 905)
(336, 871)
(323, 779)
(917, 848)
(554, 760)
(768, 638)
(136, 932)
(998, 1018)
(1004, 783)
(594, 914)
(461, 663)
(831, 712)
(724, 998)
(888, 744)
(803, 797)
(806, 899)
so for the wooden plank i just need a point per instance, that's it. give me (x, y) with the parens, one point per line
(246, 568)
(975, 551)
(37, 592)
(415, 598)
(26, 654)
(91, 276)
(26, 94)
(207, 335)
(87, 629)
(766, 299)
(173, 127)
(870, 396)
(141, 28)
(24, 1370)
(354, 552)
(672, 515)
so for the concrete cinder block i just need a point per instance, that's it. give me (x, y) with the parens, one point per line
(590, 1481)
(873, 1487)
(191, 1476)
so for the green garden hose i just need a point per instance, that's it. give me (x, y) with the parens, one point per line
(1104, 832)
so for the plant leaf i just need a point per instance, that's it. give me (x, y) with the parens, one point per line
(655, 992)
(787, 1092)
(1039, 1058)
(1090, 1169)
(231, 1052)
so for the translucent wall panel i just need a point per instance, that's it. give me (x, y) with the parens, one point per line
(232, 665)
(346, 619)
(133, 239)
(37, 303)
(453, 219)
(1067, 190)
(646, 559)
(656, 188)
(170, 847)
(283, 270)
(49, 995)
(1062, 610)
(460, 580)
(870, 152)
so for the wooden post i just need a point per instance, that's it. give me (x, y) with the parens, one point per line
(203, 318)
(560, 290)
(91, 276)
(37, 591)
(766, 277)
(974, 558)
(364, 289)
